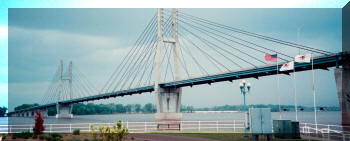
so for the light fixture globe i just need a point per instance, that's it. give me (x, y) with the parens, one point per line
(249, 85)
(241, 85)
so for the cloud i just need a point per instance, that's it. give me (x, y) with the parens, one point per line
(3, 32)
(31, 49)
(3, 94)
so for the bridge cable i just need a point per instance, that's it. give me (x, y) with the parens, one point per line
(144, 56)
(259, 36)
(193, 58)
(194, 27)
(141, 49)
(211, 46)
(131, 52)
(194, 21)
(208, 56)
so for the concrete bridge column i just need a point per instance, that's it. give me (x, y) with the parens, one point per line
(342, 75)
(168, 104)
(44, 112)
(64, 111)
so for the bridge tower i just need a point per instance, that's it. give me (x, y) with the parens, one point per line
(64, 110)
(168, 99)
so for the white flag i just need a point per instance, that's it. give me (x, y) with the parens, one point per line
(287, 66)
(303, 58)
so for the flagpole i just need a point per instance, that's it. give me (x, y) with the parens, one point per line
(314, 91)
(278, 89)
(295, 97)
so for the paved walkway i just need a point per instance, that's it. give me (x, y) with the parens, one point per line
(158, 137)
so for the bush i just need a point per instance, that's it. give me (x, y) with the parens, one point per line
(23, 135)
(55, 135)
(77, 140)
(48, 138)
(41, 137)
(35, 136)
(3, 136)
(86, 140)
(76, 132)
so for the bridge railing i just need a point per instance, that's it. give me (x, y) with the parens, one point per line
(231, 125)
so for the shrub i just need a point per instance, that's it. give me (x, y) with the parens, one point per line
(76, 132)
(118, 132)
(41, 137)
(55, 135)
(24, 135)
(35, 136)
(3, 136)
(48, 138)
(86, 140)
(77, 140)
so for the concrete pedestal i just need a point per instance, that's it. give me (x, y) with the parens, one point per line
(342, 77)
(64, 111)
(168, 104)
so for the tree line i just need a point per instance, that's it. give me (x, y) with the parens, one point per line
(90, 108)
(274, 108)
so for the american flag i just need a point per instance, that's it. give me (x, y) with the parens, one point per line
(271, 58)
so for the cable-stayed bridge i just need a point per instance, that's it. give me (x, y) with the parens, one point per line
(177, 50)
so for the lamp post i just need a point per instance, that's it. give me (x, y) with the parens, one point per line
(245, 88)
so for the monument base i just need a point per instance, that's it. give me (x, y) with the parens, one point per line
(168, 117)
(64, 115)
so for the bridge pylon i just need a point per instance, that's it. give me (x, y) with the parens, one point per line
(168, 99)
(64, 110)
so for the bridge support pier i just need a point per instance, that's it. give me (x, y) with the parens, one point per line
(168, 104)
(64, 111)
(44, 113)
(342, 77)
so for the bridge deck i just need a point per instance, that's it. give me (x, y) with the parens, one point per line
(321, 62)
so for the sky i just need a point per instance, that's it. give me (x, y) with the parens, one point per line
(96, 39)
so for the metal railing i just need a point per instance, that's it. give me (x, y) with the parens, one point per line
(325, 131)
(308, 130)
(146, 126)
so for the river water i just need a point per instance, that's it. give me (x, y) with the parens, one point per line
(322, 117)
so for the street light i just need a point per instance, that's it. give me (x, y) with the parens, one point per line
(245, 88)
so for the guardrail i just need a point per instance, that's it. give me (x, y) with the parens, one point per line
(232, 125)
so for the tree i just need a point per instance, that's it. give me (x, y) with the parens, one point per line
(138, 108)
(39, 124)
(128, 108)
(149, 108)
(3, 111)
(120, 108)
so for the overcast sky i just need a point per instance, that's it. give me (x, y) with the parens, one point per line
(96, 40)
